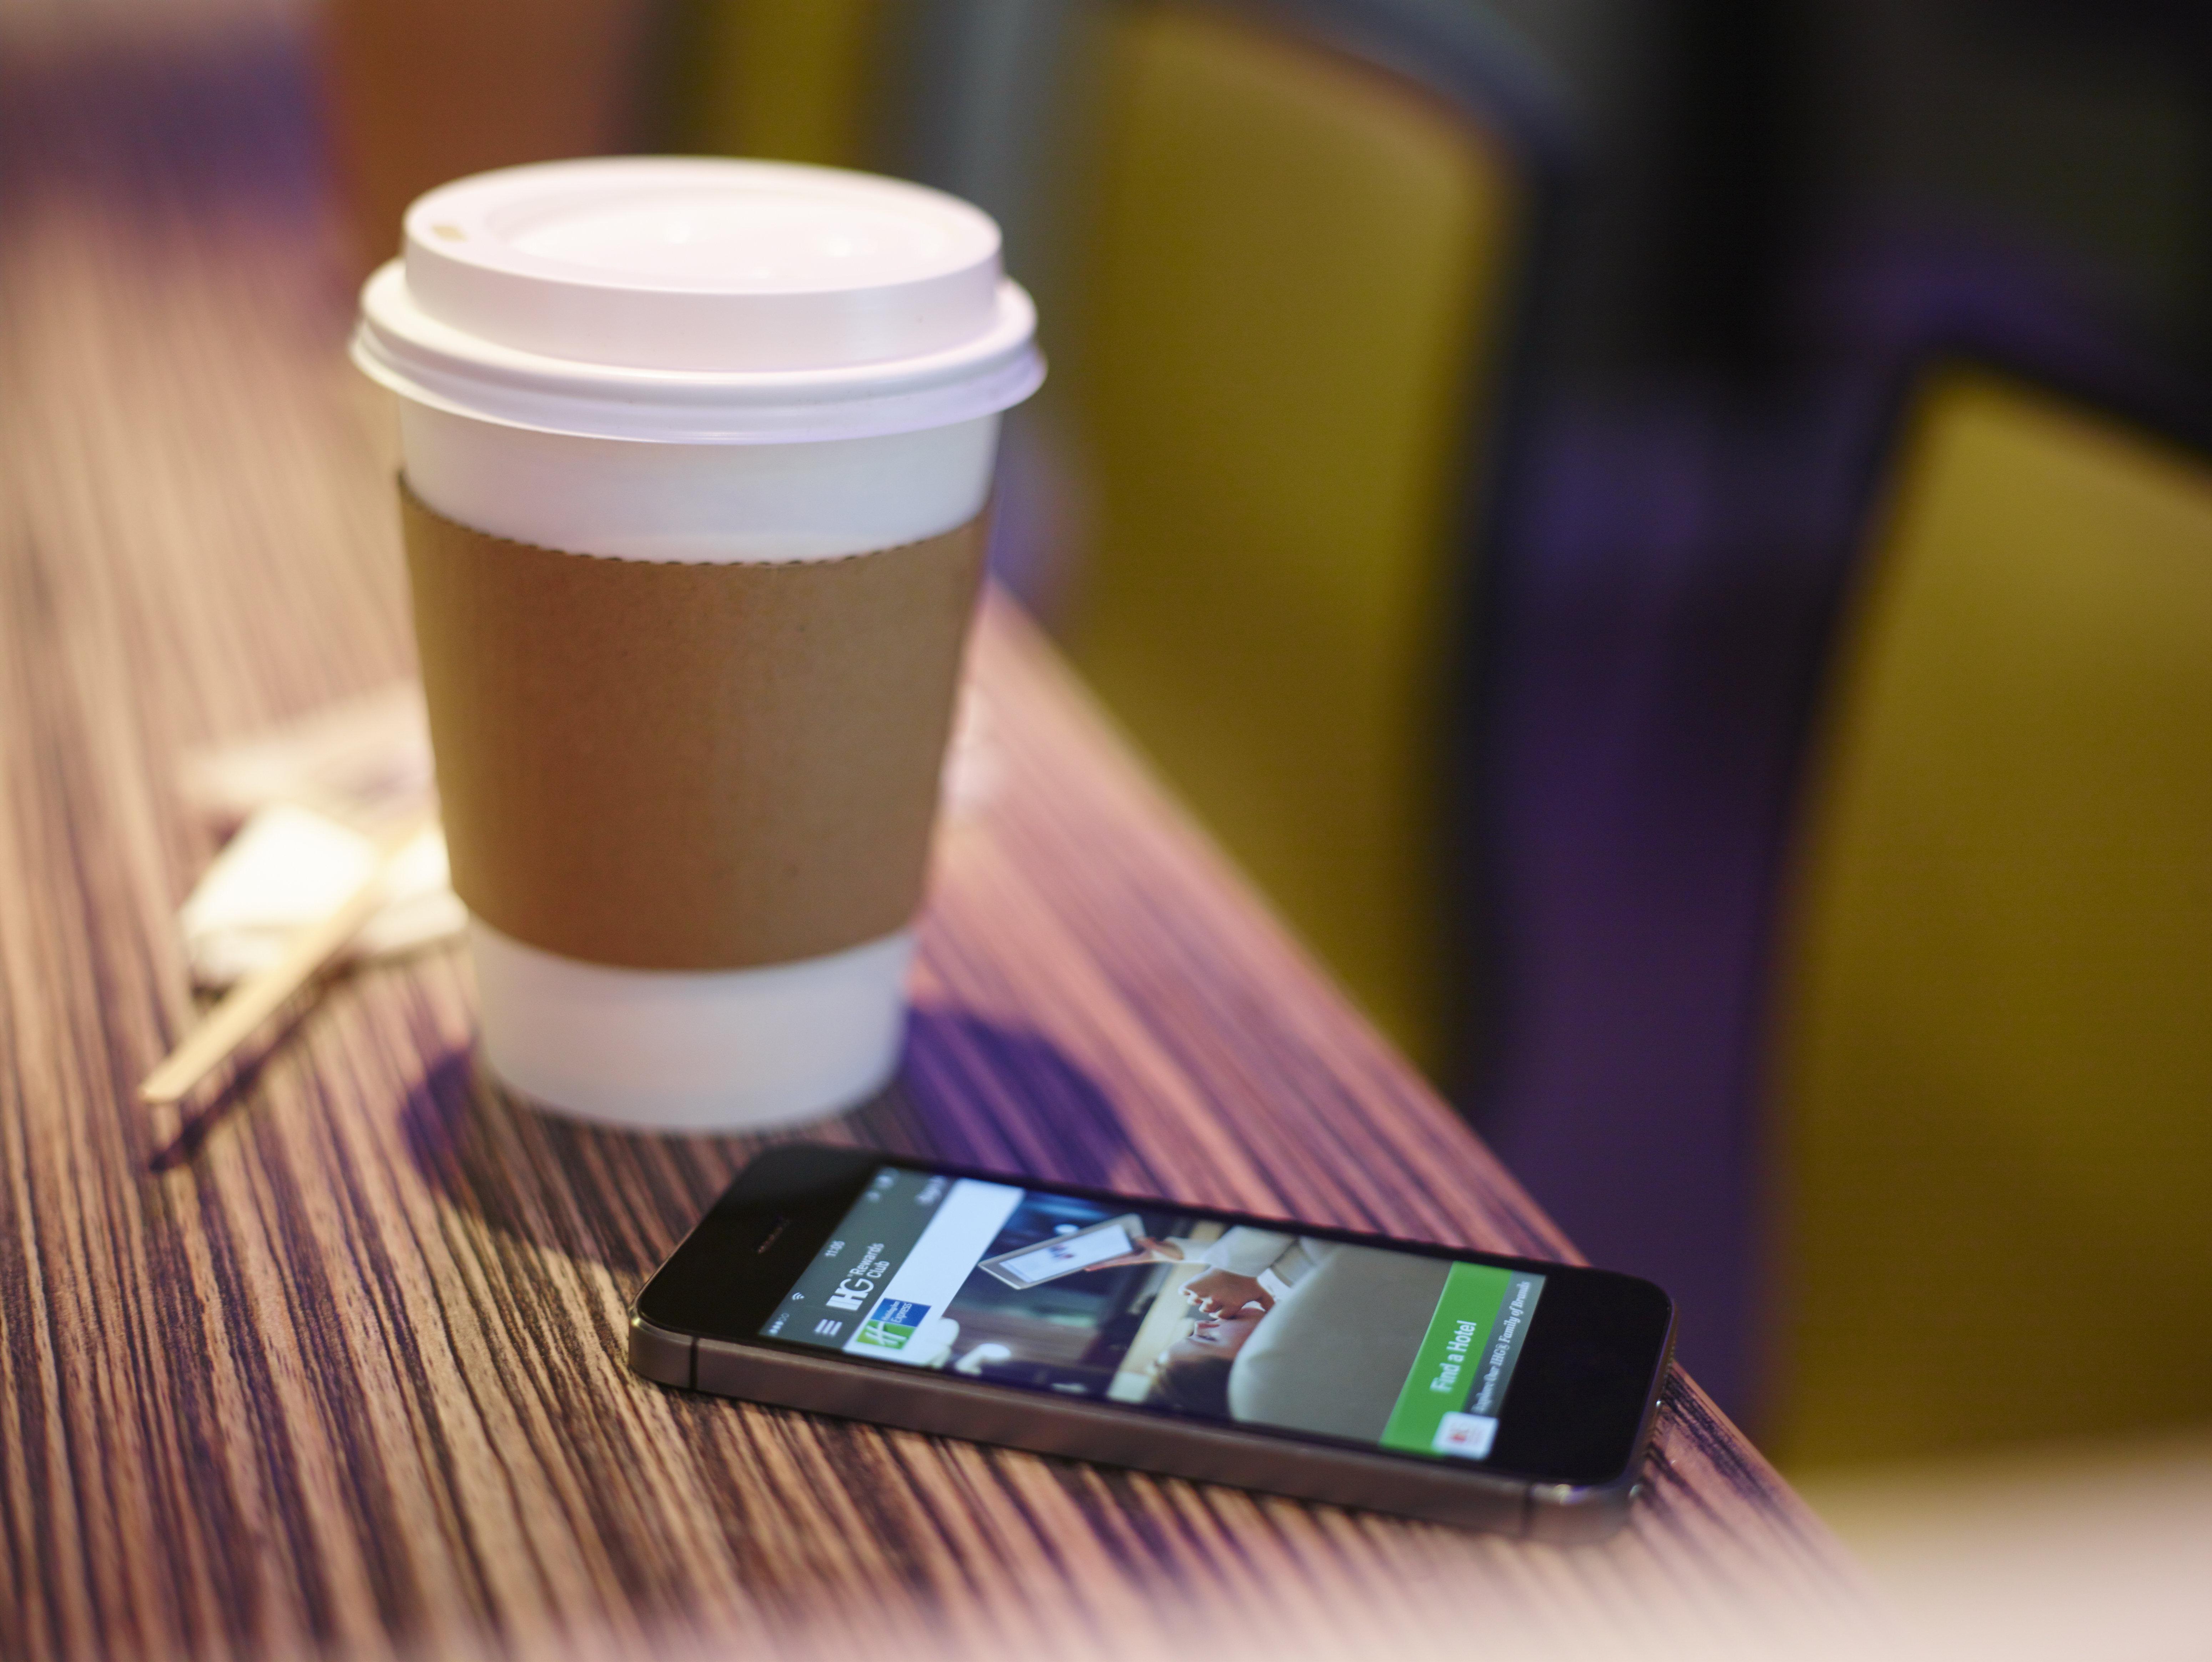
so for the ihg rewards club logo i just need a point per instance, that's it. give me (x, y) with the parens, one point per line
(860, 1285)
(895, 1321)
(921, 1254)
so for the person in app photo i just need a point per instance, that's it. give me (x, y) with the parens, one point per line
(1293, 1330)
(1191, 1374)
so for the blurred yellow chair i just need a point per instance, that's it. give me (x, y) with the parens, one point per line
(1273, 354)
(1996, 1069)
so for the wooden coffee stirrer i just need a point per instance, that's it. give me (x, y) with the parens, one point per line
(254, 1000)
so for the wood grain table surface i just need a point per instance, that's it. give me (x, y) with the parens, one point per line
(340, 1369)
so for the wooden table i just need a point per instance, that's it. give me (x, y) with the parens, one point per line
(343, 1365)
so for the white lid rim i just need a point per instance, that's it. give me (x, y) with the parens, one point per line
(410, 334)
(401, 347)
(646, 420)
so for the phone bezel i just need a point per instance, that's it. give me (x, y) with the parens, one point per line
(1582, 1391)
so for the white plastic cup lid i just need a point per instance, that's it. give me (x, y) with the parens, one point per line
(696, 300)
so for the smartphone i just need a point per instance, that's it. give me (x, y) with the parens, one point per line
(1498, 1393)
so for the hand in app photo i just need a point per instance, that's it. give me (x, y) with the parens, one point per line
(1148, 1250)
(1224, 1292)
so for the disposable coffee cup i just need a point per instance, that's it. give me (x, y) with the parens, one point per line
(697, 454)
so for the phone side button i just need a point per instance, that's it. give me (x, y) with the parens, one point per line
(659, 1355)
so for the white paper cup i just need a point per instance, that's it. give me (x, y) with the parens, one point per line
(708, 361)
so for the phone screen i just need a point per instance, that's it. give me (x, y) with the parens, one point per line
(1167, 1310)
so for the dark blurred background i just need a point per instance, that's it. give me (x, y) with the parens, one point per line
(1671, 540)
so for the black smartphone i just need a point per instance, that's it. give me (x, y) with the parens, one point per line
(1498, 1393)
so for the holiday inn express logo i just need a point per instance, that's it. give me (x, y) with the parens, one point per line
(894, 1324)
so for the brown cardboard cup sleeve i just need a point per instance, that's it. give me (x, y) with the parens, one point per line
(688, 767)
